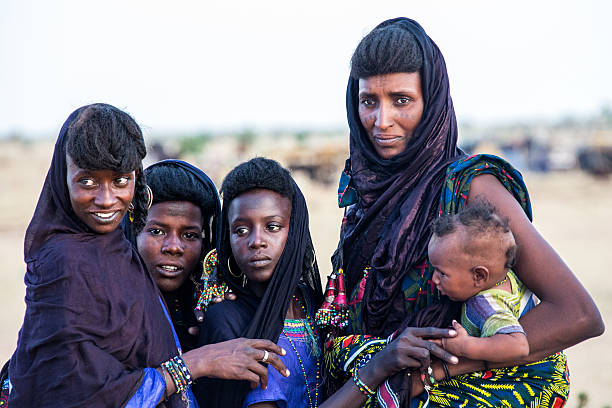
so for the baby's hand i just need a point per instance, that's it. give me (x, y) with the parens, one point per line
(455, 345)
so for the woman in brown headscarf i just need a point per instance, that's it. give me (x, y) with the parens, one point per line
(403, 171)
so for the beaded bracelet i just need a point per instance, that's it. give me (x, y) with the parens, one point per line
(428, 381)
(365, 390)
(179, 373)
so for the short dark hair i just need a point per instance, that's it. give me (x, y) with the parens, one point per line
(258, 172)
(385, 50)
(172, 183)
(478, 219)
(104, 137)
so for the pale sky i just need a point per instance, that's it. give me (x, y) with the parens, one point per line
(186, 65)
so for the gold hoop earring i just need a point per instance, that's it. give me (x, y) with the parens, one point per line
(229, 268)
(149, 196)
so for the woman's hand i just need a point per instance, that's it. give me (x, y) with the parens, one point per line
(237, 359)
(410, 350)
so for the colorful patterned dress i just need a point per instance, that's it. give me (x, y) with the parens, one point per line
(541, 384)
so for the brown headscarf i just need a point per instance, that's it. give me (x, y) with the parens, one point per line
(397, 198)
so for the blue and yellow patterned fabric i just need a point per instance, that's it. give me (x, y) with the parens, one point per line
(541, 384)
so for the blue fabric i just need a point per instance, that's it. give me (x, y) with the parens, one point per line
(153, 384)
(290, 392)
(150, 391)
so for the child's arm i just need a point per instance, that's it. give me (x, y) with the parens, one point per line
(499, 347)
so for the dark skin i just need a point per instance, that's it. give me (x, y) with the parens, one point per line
(106, 192)
(294, 312)
(259, 221)
(543, 271)
(237, 359)
(170, 244)
(539, 267)
(259, 225)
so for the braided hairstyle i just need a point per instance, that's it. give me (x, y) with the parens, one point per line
(104, 137)
(386, 49)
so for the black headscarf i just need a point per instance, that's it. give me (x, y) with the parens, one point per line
(295, 266)
(93, 319)
(203, 194)
(398, 197)
(263, 318)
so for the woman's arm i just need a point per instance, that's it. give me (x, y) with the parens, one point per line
(542, 270)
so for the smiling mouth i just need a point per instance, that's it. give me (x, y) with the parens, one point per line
(169, 271)
(105, 217)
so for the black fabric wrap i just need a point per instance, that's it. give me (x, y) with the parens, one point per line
(185, 295)
(260, 318)
(93, 316)
(388, 227)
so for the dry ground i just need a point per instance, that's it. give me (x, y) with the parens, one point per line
(572, 210)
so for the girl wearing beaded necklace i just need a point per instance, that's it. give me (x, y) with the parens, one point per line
(266, 257)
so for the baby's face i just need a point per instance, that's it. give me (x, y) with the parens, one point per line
(452, 267)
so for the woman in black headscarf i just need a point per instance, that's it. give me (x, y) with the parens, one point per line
(181, 228)
(267, 258)
(95, 331)
(403, 171)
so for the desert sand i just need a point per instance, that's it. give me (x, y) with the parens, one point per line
(571, 210)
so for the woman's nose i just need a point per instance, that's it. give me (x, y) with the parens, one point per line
(384, 117)
(257, 239)
(172, 245)
(105, 197)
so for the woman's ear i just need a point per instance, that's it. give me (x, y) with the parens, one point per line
(480, 276)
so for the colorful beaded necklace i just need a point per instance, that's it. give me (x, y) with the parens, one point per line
(312, 328)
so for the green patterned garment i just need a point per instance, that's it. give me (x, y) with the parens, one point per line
(541, 384)
(495, 311)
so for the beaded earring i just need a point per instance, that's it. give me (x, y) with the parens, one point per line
(212, 287)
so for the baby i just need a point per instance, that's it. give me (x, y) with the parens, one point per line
(472, 253)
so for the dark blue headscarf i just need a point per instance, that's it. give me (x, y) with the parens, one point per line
(93, 318)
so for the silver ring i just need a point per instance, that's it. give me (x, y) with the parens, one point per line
(265, 357)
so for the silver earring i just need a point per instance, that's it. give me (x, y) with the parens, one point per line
(149, 196)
